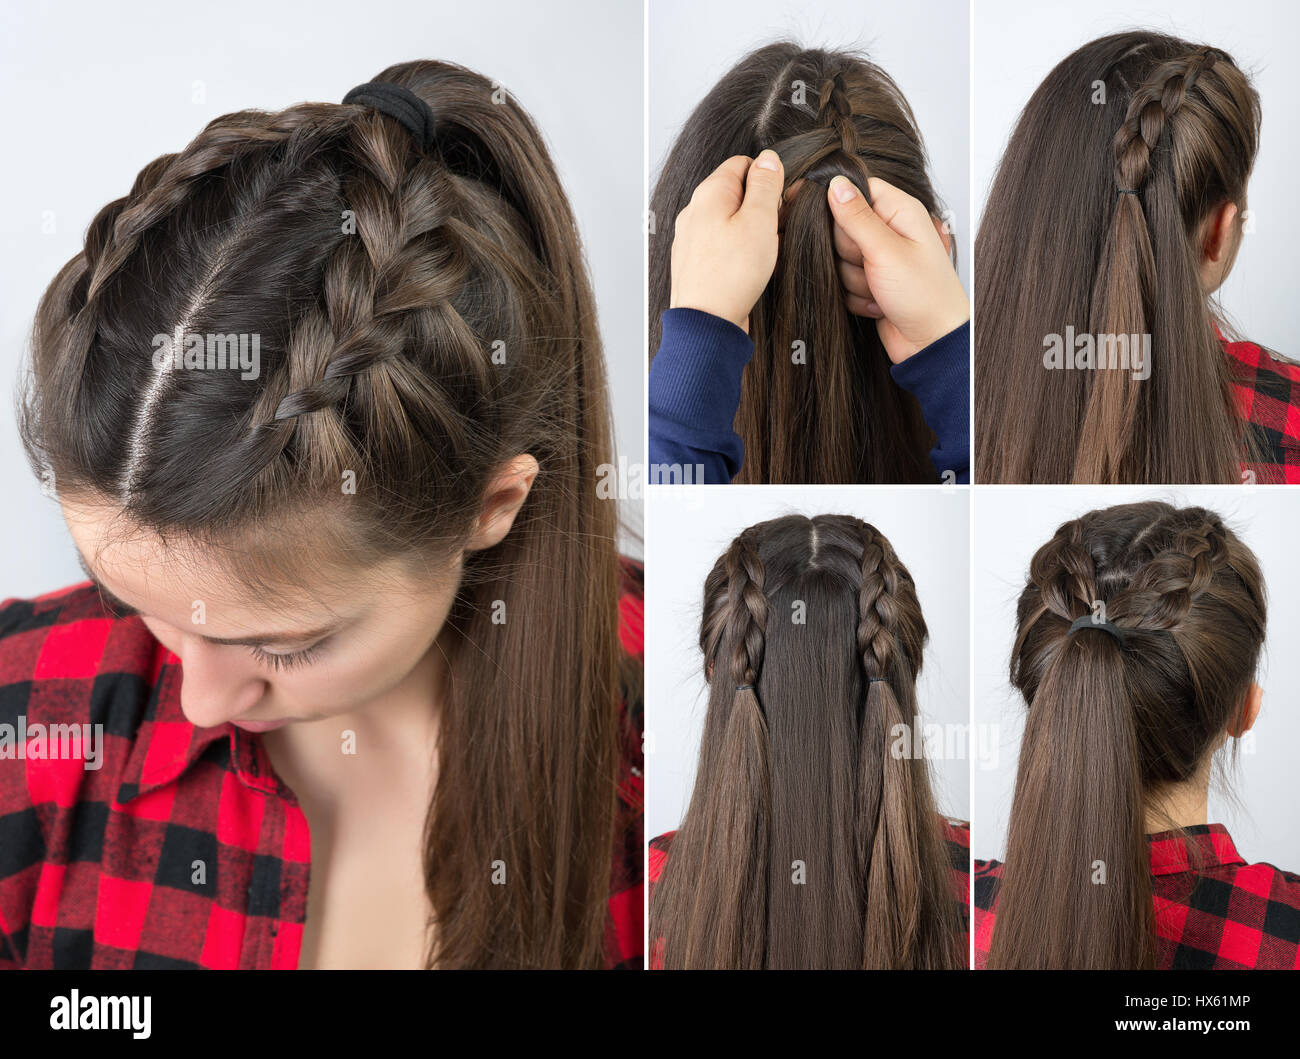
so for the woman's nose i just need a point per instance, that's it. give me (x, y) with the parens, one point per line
(215, 688)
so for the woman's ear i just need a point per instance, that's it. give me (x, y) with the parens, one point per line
(1245, 721)
(504, 497)
(1219, 235)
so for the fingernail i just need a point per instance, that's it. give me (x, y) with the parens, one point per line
(842, 188)
(767, 159)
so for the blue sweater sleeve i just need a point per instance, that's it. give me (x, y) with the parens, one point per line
(939, 376)
(694, 393)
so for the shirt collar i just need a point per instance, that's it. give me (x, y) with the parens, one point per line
(1192, 849)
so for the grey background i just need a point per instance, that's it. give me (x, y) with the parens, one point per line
(690, 526)
(1011, 523)
(1015, 50)
(923, 45)
(95, 91)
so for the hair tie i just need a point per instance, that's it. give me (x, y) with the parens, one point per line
(878, 680)
(1086, 622)
(744, 687)
(1127, 191)
(400, 103)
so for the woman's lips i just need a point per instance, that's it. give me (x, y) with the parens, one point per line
(259, 726)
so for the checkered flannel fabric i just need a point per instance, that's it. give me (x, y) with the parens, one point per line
(1213, 910)
(183, 849)
(1267, 392)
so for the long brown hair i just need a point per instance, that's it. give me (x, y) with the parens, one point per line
(1092, 224)
(1113, 723)
(838, 415)
(812, 637)
(423, 317)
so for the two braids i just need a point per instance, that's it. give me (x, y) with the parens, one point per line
(723, 900)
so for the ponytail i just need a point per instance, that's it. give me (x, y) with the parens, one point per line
(1080, 895)
(1117, 712)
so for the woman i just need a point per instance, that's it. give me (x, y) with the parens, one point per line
(811, 840)
(807, 324)
(1117, 211)
(1138, 636)
(323, 403)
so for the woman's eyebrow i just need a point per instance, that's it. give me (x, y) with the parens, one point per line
(256, 640)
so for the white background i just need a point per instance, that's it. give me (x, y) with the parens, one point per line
(924, 45)
(690, 526)
(1011, 523)
(94, 91)
(1017, 45)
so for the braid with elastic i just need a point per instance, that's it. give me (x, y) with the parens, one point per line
(1116, 723)
(738, 814)
(909, 919)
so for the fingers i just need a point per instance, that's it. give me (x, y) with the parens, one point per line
(857, 293)
(863, 307)
(853, 278)
(724, 188)
(858, 221)
(845, 248)
(763, 186)
(903, 213)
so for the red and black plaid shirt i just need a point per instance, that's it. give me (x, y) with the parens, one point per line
(956, 834)
(1213, 910)
(1267, 392)
(98, 866)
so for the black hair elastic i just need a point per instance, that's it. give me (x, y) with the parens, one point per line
(744, 687)
(1128, 191)
(400, 103)
(878, 680)
(1086, 622)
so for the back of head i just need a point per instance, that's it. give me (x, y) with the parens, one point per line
(1093, 228)
(808, 842)
(818, 403)
(1117, 719)
(412, 317)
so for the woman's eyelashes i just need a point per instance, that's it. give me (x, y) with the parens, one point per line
(288, 660)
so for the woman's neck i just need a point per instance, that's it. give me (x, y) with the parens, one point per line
(1181, 805)
(391, 740)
